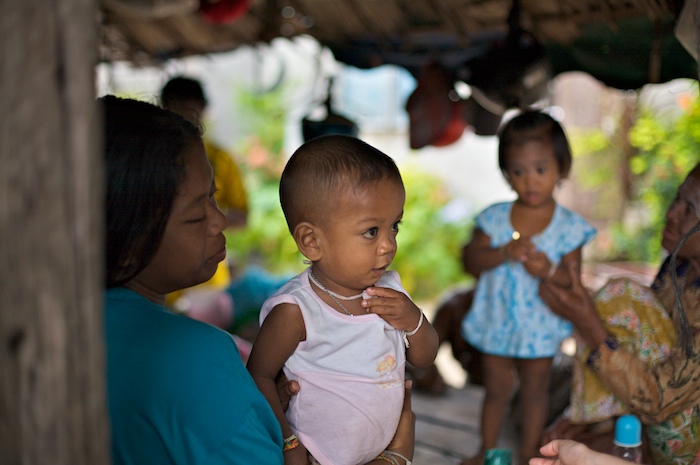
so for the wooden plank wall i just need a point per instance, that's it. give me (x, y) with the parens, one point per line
(52, 387)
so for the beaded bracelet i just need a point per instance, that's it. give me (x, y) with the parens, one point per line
(552, 270)
(407, 334)
(292, 442)
(387, 458)
(396, 454)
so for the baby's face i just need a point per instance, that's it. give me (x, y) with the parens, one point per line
(358, 240)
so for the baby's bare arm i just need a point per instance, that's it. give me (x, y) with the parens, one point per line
(279, 336)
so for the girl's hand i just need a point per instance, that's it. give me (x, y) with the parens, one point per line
(537, 264)
(519, 250)
(393, 306)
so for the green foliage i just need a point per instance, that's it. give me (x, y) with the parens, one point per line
(595, 167)
(266, 240)
(265, 114)
(667, 150)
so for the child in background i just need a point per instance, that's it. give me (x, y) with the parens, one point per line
(514, 246)
(345, 327)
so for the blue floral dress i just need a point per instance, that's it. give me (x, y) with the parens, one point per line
(508, 318)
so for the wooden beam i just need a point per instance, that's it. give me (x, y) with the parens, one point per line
(52, 386)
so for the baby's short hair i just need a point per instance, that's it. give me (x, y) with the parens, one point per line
(324, 166)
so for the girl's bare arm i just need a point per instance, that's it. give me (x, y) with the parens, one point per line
(479, 255)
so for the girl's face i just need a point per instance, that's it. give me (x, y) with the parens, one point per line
(358, 242)
(193, 243)
(682, 215)
(533, 172)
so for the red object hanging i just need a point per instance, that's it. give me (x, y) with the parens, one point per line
(223, 11)
(454, 129)
(434, 119)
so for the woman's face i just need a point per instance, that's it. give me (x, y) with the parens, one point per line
(682, 215)
(193, 243)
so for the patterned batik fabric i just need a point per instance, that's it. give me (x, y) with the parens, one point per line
(633, 315)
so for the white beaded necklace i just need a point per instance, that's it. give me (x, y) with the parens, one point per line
(336, 297)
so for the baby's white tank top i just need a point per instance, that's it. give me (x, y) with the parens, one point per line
(351, 372)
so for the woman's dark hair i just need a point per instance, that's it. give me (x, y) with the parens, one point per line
(530, 126)
(145, 148)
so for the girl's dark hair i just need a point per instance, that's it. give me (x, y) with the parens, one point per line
(145, 148)
(534, 125)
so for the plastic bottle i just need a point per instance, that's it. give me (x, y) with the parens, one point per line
(628, 439)
(497, 457)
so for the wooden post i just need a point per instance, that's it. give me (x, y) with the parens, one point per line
(52, 386)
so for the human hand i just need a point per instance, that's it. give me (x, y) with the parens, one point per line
(568, 452)
(286, 389)
(519, 249)
(537, 264)
(393, 306)
(562, 428)
(575, 305)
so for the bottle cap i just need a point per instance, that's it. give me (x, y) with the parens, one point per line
(497, 457)
(628, 431)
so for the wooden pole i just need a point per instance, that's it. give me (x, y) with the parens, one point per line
(52, 386)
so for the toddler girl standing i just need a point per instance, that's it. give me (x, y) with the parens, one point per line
(514, 246)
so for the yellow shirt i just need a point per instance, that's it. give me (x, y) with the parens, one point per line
(230, 193)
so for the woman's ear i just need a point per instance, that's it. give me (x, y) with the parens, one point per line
(306, 235)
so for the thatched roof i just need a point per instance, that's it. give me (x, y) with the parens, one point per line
(410, 33)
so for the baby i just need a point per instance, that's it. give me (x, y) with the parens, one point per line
(345, 327)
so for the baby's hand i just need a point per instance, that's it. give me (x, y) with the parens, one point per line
(537, 264)
(393, 306)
